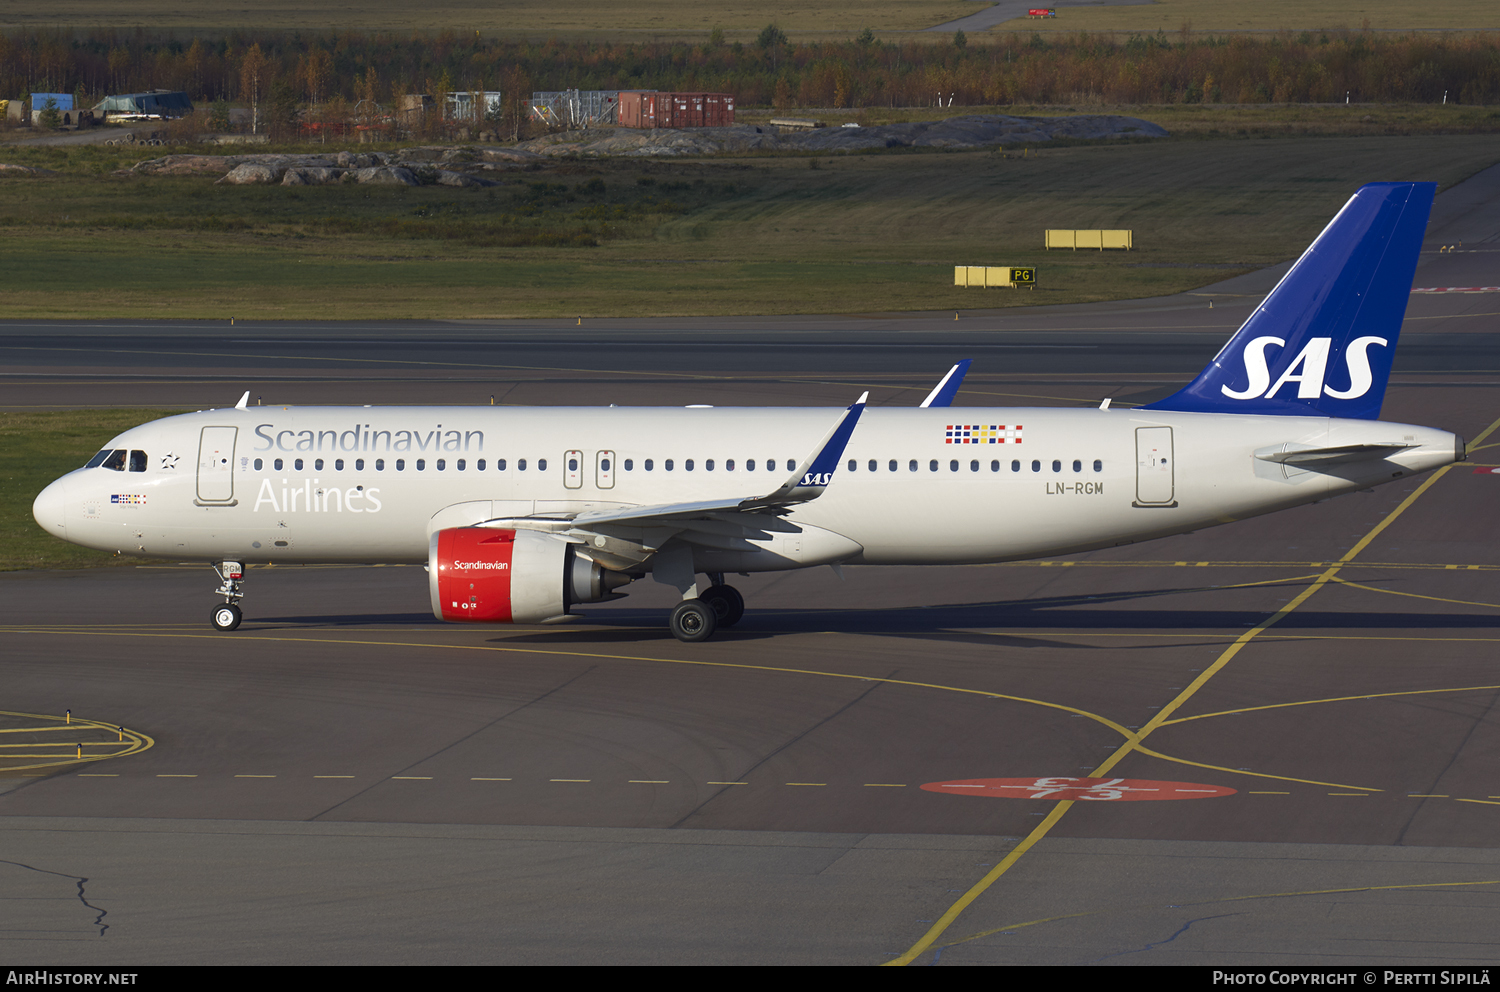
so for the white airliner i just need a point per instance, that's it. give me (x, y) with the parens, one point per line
(523, 513)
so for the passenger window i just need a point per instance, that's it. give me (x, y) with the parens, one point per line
(1077, 465)
(277, 464)
(953, 465)
(479, 465)
(874, 465)
(932, 466)
(893, 464)
(499, 464)
(137, 461)
(338, 464)
(853, 465)
(708, 465)
(400, 464)
(688, 464)
(1015, 465)
(259, 464)
(421, 464)
(572, 464)
(791, 466)
(116, 460)
(729, 465)
(359, 464)
(974, 465)
(541, 464)
(441, 464)
(630, 464)
(1098, 465)
(995, 465)
(750, 465)
(667, 464)
(1056, 465)
(459, 465)
(1036, 465)
(520, 464)
(297, 465)
(379, 464)
(913, 466)
(649, 465)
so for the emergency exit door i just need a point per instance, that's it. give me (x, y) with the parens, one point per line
(1155, 467)
(216, 464)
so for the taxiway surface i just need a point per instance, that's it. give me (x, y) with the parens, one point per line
(345, 780)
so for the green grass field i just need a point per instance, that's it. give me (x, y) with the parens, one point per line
(1224, 16)
(644, 19)
(36, 448)
(712, 236)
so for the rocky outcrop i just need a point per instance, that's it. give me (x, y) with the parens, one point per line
(445, 165)
(24, 170)
(250, 173)
(972, 131)
(379, 168)
(381, 175)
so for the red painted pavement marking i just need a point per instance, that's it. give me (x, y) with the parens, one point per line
(1487, 471)
(1458, 289)
(1087, 789)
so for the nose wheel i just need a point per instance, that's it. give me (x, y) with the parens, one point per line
(227, 615)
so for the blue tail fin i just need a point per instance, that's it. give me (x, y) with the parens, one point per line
(1322, 343)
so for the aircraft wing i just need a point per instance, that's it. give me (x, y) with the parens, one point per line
(808, 482)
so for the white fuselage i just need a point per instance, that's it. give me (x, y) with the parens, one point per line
(362, 484)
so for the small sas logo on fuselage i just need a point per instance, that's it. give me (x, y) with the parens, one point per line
(983, 434)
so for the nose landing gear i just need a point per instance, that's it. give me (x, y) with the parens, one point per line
(227, 615)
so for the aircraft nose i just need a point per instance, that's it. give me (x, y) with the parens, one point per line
(50, 509)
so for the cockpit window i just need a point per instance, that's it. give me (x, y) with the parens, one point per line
(137, 461)
(98, 459)
(116, 460)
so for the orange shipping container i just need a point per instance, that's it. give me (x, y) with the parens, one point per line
(647, 110)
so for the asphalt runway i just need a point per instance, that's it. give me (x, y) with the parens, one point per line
(1304, 704)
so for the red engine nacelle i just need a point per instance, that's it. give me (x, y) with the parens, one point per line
(487, 575)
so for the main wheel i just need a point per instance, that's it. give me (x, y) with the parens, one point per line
(727, 603)
(226, 616)
(693, 620)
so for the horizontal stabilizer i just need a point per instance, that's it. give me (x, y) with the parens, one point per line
(1287, 454)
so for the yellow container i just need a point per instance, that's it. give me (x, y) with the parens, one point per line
(1088, 239)
(1060, 239)
(998, 277)
(1116, 239)
(976, 275)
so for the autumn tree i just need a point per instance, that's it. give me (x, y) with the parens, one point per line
(255, 78)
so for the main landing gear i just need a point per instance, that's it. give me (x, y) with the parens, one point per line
(720, 605)
(227, 615)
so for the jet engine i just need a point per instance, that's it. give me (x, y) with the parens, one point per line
(490, 575)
